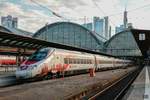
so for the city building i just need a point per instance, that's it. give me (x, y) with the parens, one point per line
(109, 32)
(125, 20)
(106, 26)
(125, 25)
(9, 21)
(119, 28)
(11, 24)
(99, 26)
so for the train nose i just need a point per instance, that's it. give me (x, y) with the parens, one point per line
(23, 74)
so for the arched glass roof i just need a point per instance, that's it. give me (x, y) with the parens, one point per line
(70, 34)
(122, 44)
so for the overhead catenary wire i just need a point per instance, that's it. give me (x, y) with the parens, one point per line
(54, 13)
(99, 8)
(114, 14)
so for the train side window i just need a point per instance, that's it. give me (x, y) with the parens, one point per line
(70, 60)
(74, 61)
(87, 61)
(78, 61)
(90, 61)
(82, 61)
(66, 60)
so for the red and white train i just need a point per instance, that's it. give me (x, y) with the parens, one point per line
(50, 61)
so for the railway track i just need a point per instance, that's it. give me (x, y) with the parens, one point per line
(110, 91)
(116, 90)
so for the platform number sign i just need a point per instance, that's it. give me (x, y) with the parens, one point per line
(142, 36)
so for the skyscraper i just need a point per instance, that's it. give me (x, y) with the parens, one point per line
(119, 29)
(98, 25)
(125, 19)
(9, 21)
(106, 26)
(109, 32)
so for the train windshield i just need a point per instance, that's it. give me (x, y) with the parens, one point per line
(39, 55)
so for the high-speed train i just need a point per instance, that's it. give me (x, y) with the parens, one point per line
(50, 61)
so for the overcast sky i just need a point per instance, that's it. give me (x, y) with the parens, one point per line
(32, 17)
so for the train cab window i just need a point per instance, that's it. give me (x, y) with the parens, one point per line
(39, 55)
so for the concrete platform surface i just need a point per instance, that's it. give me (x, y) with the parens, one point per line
(59, 89)
(140, 89)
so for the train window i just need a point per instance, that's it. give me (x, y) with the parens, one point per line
(65, 60)
(87, 62)
(73, 61)
(82, 61)
(78, 61)
(70, 60)
(90, 61)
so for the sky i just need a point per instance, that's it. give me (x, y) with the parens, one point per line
(32, 17)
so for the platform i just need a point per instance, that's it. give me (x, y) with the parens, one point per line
(140, 89)
(60, 89)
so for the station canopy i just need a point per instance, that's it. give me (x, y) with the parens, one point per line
(72, 34)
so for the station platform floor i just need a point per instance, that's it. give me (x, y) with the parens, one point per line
(140, 89)
(62, 88)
